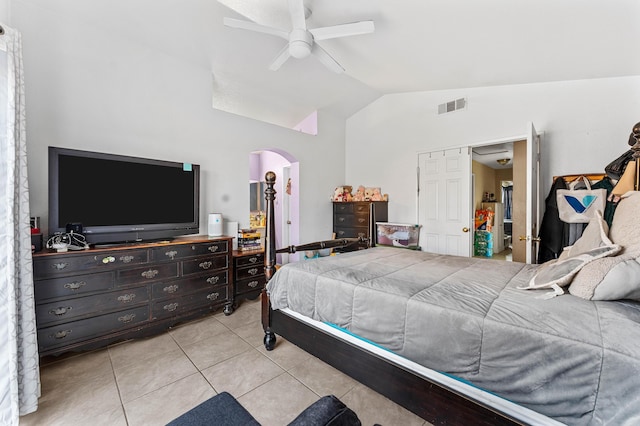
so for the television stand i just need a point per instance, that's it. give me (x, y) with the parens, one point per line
(90, 298)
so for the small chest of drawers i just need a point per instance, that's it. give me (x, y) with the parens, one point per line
(248, 271)
(357, 219)
(88, 299)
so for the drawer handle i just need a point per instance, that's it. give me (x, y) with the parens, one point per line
(362, 220)
(127, 318)
(59, 266)
(213, 249)
(60, 334)
(151, 273)
(252, 271)
(126, 298)
(171, 288)
(253, 259)
(60, 311)
(205, 265)
(171, 254)
(213, 296)
(126, 259)
(340, 233)
(108, 259)
(341, 219)
(213, 280)
(253, 284)
(171, 307)
(75, 285)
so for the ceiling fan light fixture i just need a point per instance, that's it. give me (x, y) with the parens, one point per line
(503, 161)
(300, 42)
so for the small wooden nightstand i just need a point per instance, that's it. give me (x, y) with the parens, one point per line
(248, 274)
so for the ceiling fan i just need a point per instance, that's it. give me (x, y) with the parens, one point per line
(302, 41)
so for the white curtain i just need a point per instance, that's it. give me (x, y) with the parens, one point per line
(19, 364)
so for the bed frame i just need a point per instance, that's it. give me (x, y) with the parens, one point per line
(428, 399)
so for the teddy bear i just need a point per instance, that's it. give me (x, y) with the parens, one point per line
(342, 193)
(376, 195)
(369, 193)
(359, 195)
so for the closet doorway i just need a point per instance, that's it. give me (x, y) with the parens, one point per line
(524, 157)
(492, 168)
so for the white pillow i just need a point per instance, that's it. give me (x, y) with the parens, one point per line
(624, 227)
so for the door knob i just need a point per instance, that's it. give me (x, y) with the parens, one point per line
(465, 229)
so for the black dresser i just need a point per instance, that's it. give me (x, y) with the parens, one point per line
(90, 298)
(358, 219)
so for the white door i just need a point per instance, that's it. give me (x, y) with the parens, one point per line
(444, 201)
(533, 185)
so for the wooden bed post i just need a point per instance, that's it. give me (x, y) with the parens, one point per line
(269, 259)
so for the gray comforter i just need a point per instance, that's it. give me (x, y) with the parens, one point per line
(575, 360)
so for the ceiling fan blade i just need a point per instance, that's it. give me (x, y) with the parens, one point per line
(343, 30)
(283, 55)
(296, 9)
(252, 26)
(326, 59)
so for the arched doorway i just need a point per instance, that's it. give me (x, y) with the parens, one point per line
(286, 212)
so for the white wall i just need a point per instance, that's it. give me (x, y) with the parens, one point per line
(90, 89)
(586, 125)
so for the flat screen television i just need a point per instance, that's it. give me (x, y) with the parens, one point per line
(120, 199)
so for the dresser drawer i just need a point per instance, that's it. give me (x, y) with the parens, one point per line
(250, 284)
(73, 285)
(204, 264)
(52, 266)
(249, 260)
(155, 272)
(171, 307)
(343, 208)
(353, 232)
(249, 272)
(90, 305)
(189, 250)
(76, 331)
(350, 220)
(182, 287)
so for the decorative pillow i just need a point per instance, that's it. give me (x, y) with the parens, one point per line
(616, 277)
(624, 227)
(611, 278)
(593, 244)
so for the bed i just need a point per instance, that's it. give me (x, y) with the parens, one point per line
(465, 341)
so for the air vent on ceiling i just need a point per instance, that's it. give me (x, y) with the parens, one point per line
(452, 106)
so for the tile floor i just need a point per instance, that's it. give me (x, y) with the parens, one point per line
(152, 381)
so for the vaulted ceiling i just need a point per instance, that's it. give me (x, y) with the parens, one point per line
(417, 45)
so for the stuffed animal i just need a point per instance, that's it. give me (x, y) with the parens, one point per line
(376, 195)
(342, 193)
(359, 195)
(369, 194)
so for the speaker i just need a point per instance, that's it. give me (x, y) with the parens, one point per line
(215, 224)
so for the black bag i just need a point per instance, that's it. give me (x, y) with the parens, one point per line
(616, 168)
